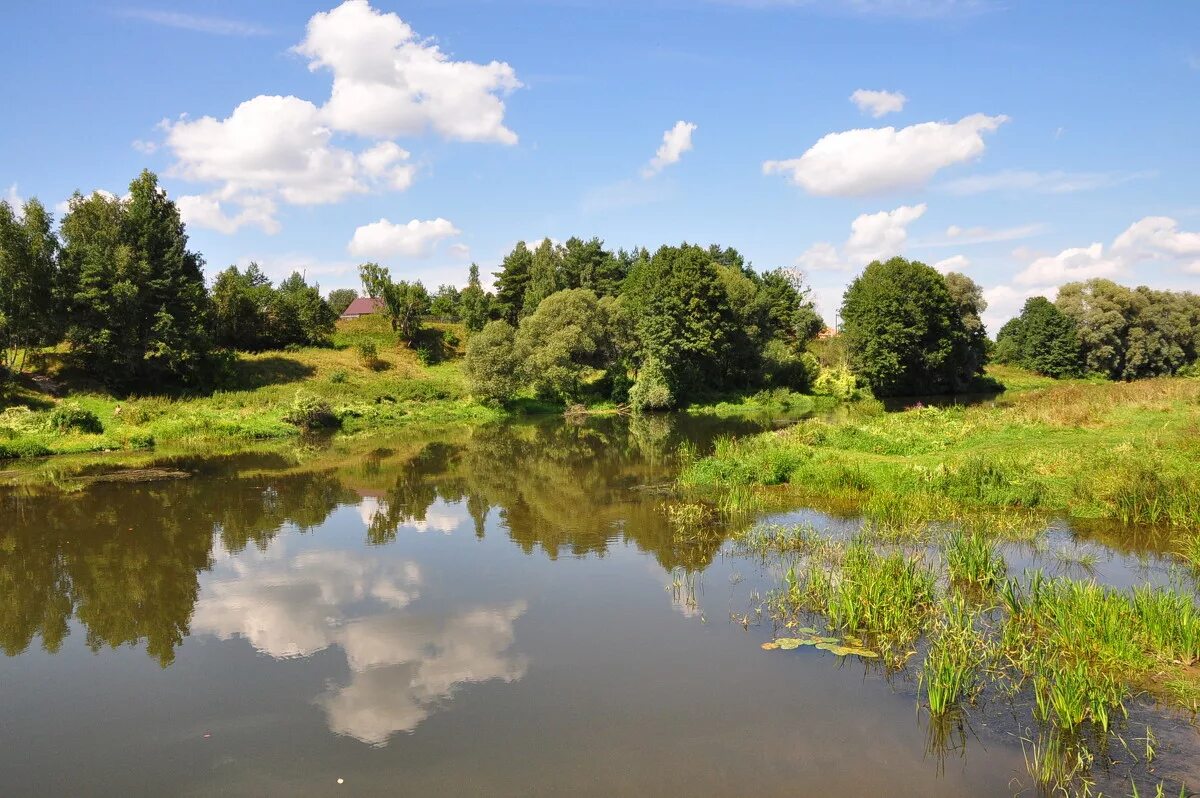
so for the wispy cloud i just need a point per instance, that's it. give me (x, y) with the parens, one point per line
(913, 9)
(218, 26)
(956, 236)
(1056, 182)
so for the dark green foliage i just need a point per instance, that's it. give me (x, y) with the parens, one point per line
(340, 298)
(586, 264)
(1041, 339)
(1129, 333)
(250, 314)
(905, 332)
(491, 363)
(140, 315)
(968, 297)
(474, 304)
(683, 320)
(790, 313)
(543, 276)
(66, 418)
(30, 285)
(406, 304)
(511, 282)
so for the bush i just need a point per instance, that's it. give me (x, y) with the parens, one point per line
(338, 376)
(65, 418)
(783, 368)
(10, 451)
(837, 382)
(310, 412)
(652, 390)
(368, 355)
(491, 363)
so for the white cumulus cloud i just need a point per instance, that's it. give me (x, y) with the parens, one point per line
(955, 263)
(878, 103)
(675, 143)
(1152, 238)
(873, 236)
(389, 82)
(416, 239)
(878, 160)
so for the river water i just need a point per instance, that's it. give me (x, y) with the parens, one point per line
(498, 611)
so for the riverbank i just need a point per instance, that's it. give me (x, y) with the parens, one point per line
(370, 383)
(1123, 451)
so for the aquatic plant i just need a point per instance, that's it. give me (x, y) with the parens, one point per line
(956, 652)
(972, 560)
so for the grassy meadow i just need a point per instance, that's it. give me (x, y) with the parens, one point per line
(364, 390)
(1123, 451)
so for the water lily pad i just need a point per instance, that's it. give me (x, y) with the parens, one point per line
(771, 646)
(841, 651)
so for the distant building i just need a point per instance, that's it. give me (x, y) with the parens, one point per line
(363, 306)
(828, 332)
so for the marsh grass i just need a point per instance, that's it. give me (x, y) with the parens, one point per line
(971, 559)
(1112, 450)
(956, 653)
(886, 597)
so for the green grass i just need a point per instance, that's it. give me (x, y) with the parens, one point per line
(955, 655)
(393, 390)
(1124, 451)
(971, 559)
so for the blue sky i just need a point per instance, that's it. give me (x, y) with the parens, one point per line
(1034, 142)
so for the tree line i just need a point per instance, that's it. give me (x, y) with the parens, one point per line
(571, 322)
(1099, 327)
(575, 321)
(118, 284)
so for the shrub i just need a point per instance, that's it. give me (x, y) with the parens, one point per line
(338, 376)
(652, 390)
(837, 382)
(65, 418)
(491, 363)
(310, 412)
(368, 355)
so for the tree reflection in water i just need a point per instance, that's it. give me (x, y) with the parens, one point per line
(124, 560)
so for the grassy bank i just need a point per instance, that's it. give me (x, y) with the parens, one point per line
(1124, 451)
(53, 413)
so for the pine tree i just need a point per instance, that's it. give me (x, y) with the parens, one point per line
(511, 282)
(543, 276)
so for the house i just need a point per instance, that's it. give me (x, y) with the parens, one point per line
(363, 306)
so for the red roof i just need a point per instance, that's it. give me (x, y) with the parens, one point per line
(363, 306)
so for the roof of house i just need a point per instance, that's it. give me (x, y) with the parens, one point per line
(363, 306)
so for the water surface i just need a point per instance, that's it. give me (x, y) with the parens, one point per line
(503, 611)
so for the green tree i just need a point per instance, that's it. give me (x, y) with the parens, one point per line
(791, 315)
(904, 331)
(406, 304)
(562, 342)
(682, 318)
(375, 279)
(30, 310)
(543, 275)
(511, 282)
(239, 308)
(444, 303)
(340, 298)
(586, 264)
(1041, 339)
(491, 364)
(968, 297)
(310, 319)
(140, 311)
(473, 302)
